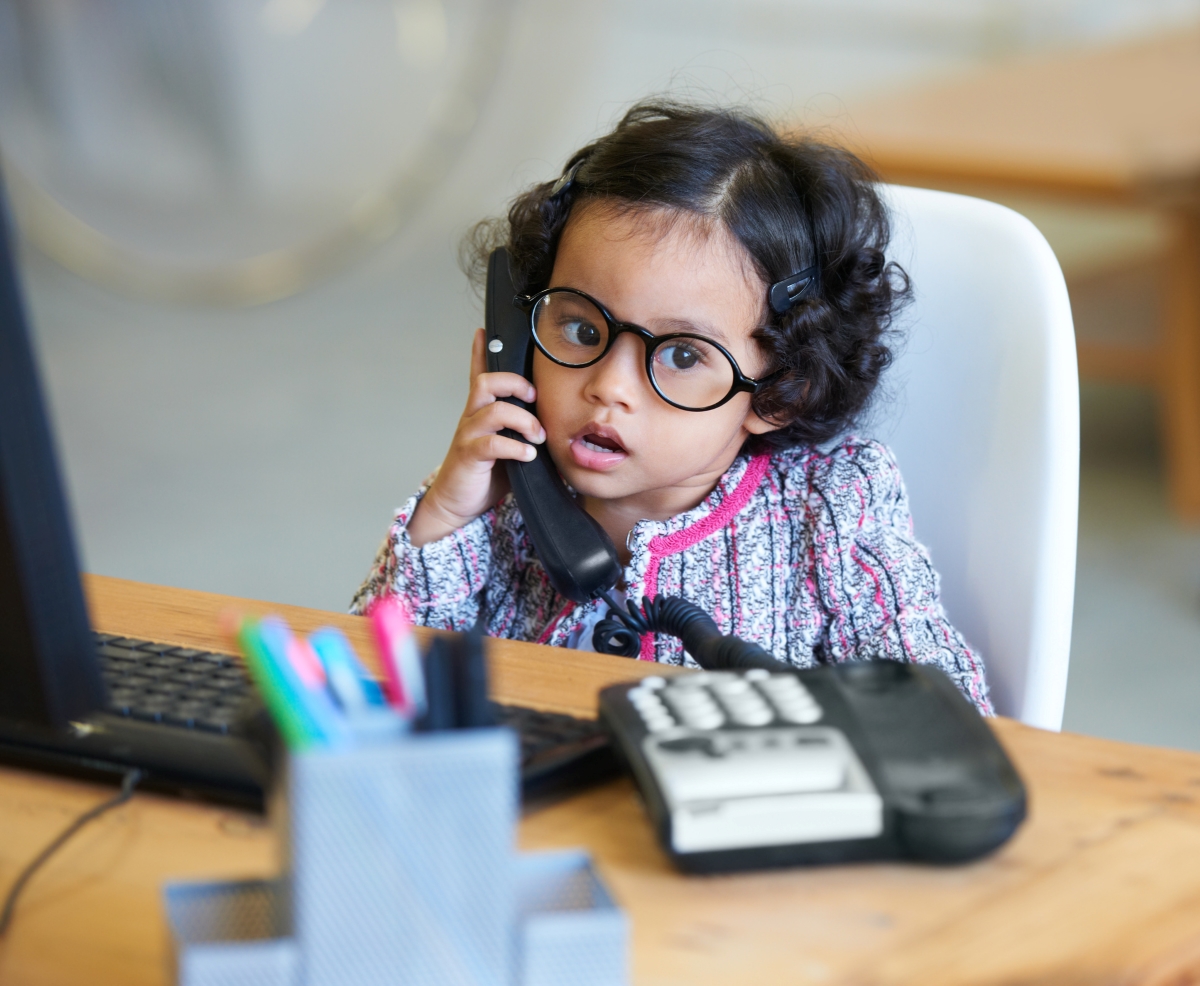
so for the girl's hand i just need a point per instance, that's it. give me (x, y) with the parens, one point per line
(471, 478)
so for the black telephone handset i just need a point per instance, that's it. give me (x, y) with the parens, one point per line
(577, 553)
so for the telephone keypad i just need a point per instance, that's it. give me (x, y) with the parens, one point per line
(694, 706)
(791, 699)
(710, 700)
(651, 708)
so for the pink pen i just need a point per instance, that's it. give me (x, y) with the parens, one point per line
(308, 666)
(399, 657)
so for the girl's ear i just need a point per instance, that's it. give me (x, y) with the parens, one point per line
(755, 425)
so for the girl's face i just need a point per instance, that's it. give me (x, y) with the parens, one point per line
(611, 436)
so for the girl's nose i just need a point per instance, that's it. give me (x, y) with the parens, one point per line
(619, 378)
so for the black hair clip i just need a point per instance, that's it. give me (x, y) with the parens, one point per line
(567, 179)
(784, 294)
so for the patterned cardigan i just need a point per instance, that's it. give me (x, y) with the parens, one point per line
(809, 553)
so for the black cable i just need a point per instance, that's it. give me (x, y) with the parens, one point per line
(128, 783)
(629, 615)
(621, 633)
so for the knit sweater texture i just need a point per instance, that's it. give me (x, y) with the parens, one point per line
(808, 552)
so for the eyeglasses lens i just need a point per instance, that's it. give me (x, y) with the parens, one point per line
(570, 328)
(691, 372)
(688, 371)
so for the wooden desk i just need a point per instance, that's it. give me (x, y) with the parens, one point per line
(1101, 885)
(1113, 125)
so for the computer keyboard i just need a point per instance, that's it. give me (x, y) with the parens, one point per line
(178, 686)
(558, 752)
(189, 688)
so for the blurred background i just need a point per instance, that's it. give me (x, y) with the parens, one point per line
(240, 222)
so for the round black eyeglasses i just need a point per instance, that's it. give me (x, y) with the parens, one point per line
(687, 371)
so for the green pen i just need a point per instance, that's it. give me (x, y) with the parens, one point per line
(297, 731)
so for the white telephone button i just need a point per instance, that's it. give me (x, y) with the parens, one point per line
(657, 722)
(792, 700)
(735, 686)
(751, 715)
(704, 720)
(803, 715)
(651, 709)
(694, 706)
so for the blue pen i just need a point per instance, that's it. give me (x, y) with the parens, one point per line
(317, 706)
(355, 690)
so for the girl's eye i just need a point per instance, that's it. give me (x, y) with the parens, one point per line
(678, 356)
(581, 333)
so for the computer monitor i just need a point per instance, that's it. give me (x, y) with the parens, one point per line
(54, 711)
(48, 673)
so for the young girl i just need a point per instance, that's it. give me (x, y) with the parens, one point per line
(711, 303)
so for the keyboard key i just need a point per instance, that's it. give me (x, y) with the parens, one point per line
(112, 652)
(188, 652)
(166, 661)
(128, 642)
(177, 689)
(156, 671)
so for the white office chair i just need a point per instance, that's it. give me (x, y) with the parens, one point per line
(984, 420)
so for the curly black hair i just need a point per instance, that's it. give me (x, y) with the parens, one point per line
(791, 201)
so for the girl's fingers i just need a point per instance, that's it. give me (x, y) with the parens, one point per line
(495, 417)
(487, 388)
(478, 360)
(488, 448)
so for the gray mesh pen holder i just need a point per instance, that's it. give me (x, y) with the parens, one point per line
(401, 860)
(569, 931)
(231, 934)
(400, 868)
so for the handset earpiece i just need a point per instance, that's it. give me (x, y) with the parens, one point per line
(576, 552)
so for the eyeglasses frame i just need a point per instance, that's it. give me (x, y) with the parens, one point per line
(742, 384)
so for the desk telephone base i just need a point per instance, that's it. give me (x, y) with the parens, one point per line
(864, 761)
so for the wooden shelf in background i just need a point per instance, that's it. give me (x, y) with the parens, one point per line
(1117, 124)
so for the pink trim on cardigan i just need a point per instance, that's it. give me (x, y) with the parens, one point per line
(671, 544)
(545, 635)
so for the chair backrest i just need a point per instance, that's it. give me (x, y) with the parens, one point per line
(982, 411)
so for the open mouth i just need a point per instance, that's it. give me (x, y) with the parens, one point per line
(598, 448)
(598, 443)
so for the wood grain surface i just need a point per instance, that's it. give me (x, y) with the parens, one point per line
(1101, 885)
